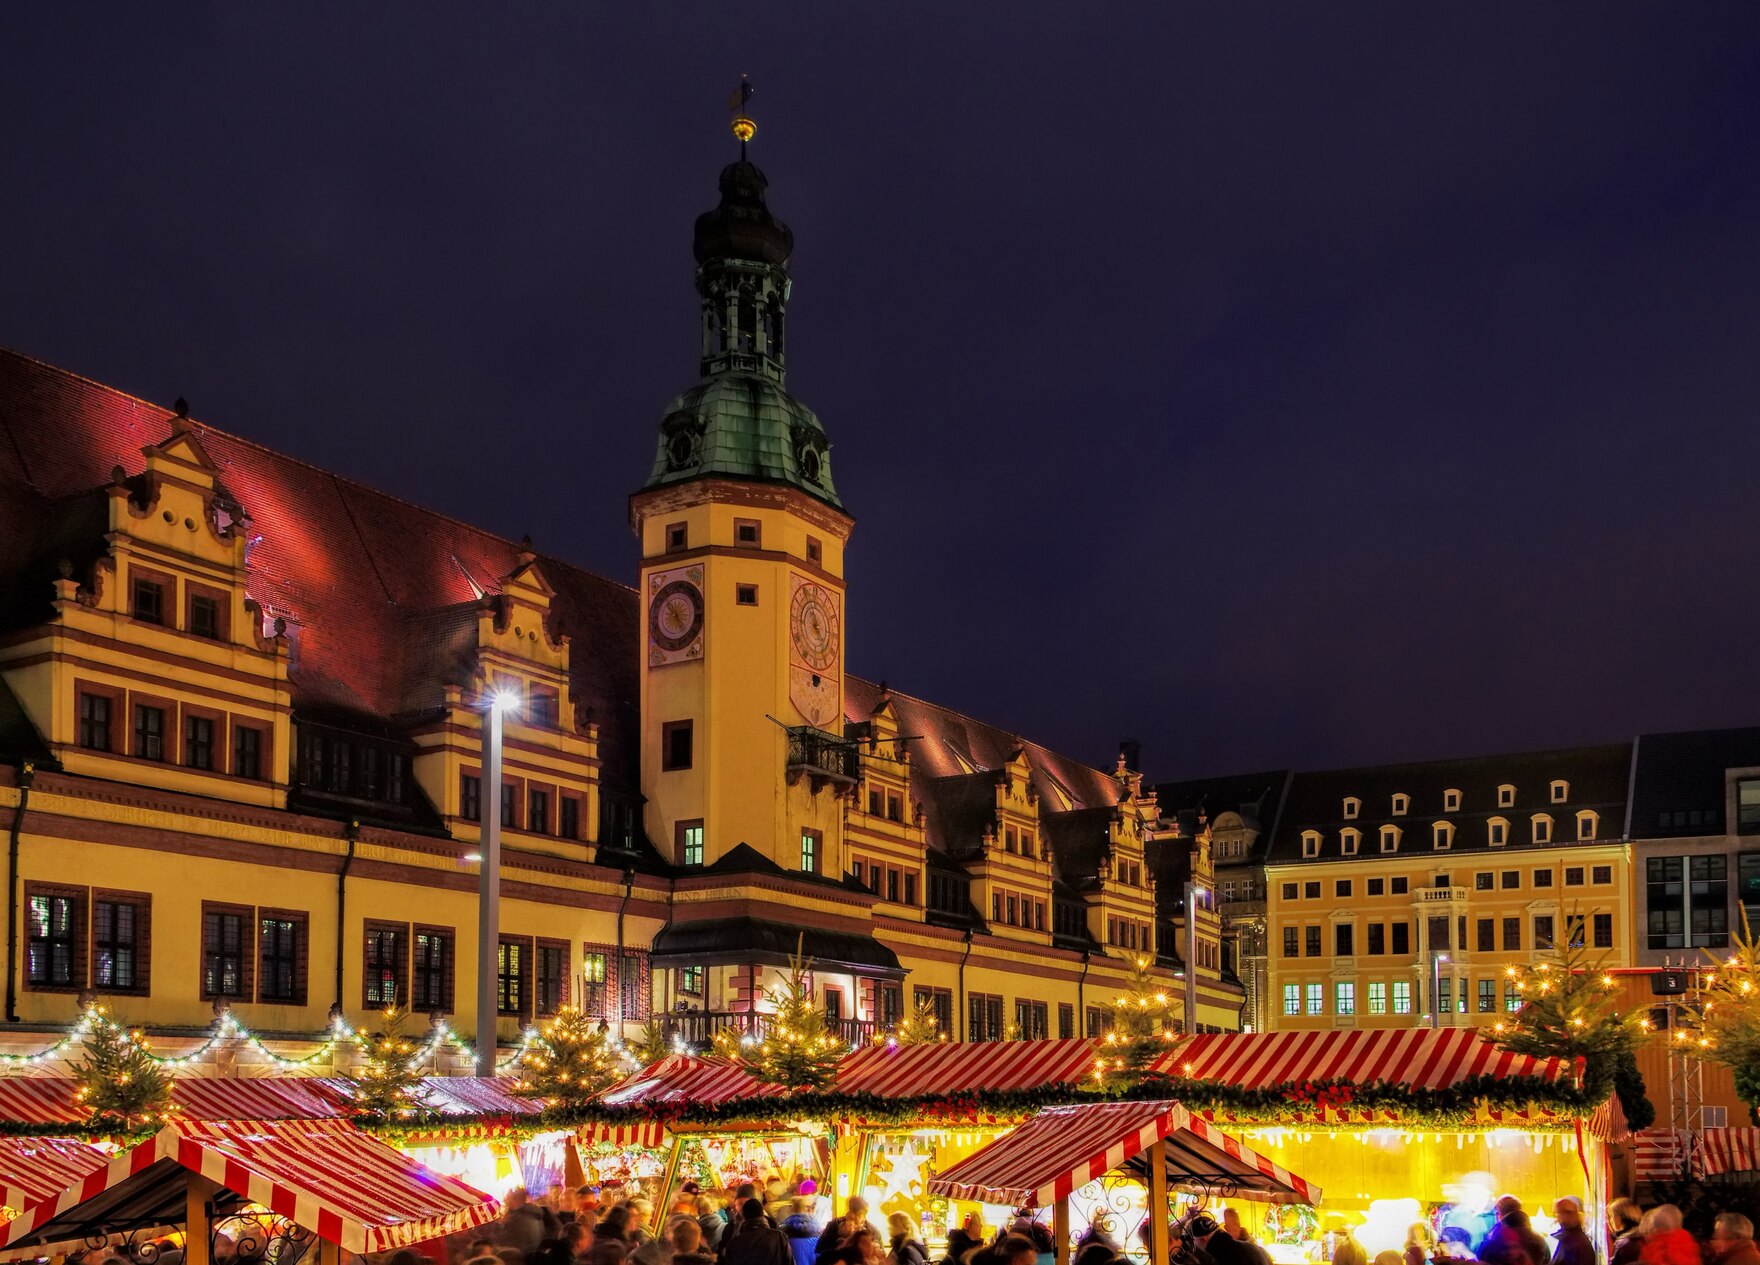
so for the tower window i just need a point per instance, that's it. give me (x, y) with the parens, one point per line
(678, 536)
(812, 842)
(675, 745)
(745, 594)
(690, 842)
(747, 531)
(815, 551)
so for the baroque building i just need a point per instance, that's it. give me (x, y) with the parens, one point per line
(241, 732)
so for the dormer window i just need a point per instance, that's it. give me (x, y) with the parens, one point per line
(1506, 796)
(1542, 828)
(1352, 806)
(1561, 790)
(1349, 841)
(1497, 832)
(1401, 802)
(1442, 835)
(1588, 823)
(1390, 838)
(1310, 843)
(1451, 801)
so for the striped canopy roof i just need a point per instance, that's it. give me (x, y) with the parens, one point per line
(32, 1169)
(1062, 1149)
(1418, 1058)
(909, 1071)
(324, 1175)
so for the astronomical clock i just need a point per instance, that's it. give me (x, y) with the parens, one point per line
(815, 651)
(675, 616)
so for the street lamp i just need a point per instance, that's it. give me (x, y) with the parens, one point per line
(1436, 988)
(1193, 891)
(500, 701)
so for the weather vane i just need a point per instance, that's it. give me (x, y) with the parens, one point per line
(744, 128)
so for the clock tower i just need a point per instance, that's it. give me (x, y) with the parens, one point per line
(742, 540)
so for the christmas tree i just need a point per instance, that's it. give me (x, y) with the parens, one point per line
(797, 1050)
(1143, 1027)
(1729, 1015)
(120, 1082)
(387, 1084)
(1571, 1009)
(650, 1045)
(920, 1027)
(568, 1062)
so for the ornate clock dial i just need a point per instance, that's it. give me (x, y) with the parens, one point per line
(813, 625)
(675, 616)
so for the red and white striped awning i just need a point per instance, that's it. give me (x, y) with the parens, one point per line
(266, 1098)
(681, 1078)
(450, 1095)
(1062, 1149)
(1729, 1150)
(1656, 1155)
(1419, 1058)
(648, 1133)
(908, 1071)
(325, 1175)
(32, 1169)
(40, 1100)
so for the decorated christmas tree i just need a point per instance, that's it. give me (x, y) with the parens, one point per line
(120, 1082)
(920, 1027)
(568, 1062)
(650, 1044)
(796, 1049)
(1729, 1015)
(1143, 1027)
(387, 1084)
(1571, 1009)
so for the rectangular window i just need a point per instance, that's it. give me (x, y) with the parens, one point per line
(119, 939)
(1342, 936)
(278, 958)
(1311, 936)
(1402, 997)
(1484, 881)
(1601, 875)
(1542, 878)
(1344, 998)
(431, 971)
(1030, 1019)
(1487, 996)
(1376, 886)
(147, 601)
(470, 797)
(632, 986)
(1316, 999)
(676, 737)
(1543, 931)
(1377, 939)
(247, 752)
(940, 1002)
(1512, 1000)
(1512, 935)
(1066, 1021)
(569, 818)
(1290, 890)
(149, 732)
(678, 536)
(52, 941)
(226, 952)
(812, 843)
(745, 594)
(910, 890)
(204, 616)
(552, 990)
(1573, 876)
(538, 811)
(689, 842)
(1444, 995)
(892, 878)
(894, 808)
(509, 806)
(1292, 999)
(1401, 885)
(198, 742)
(1402, 937)
(1378, 998)
(382, 966)
(543, 706)
(747, 531)
(985, 1018)
(1292, 942)
(1342, 887)
(1487, 932)
(891, 1005)
(1311, 891)
(593, 976)
(512, 961)
(94, 721)
(1748, 805)
(690, 981)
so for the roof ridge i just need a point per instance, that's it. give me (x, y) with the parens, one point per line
(335, 476)
(1465, 759)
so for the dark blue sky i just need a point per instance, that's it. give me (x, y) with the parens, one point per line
(1272, 383)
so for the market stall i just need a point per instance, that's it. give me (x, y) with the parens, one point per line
(289, 1182)
(33, 1169)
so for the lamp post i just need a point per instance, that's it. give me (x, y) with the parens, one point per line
(1193, 891)
(1436, 987)
(489, 881)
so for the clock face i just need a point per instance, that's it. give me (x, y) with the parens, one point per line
(813, 624)
(674, 616)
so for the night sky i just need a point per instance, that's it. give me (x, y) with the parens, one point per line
(1294, 384)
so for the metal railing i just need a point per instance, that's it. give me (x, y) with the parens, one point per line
(821, 754)
(697, 1028)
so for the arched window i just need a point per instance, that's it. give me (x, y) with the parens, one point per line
(1588, 822)
(1350, 839)
(748, 322)
(1390, 838)
(1542, 828)
(773, 328)
(1310, 843)
(1497, 832)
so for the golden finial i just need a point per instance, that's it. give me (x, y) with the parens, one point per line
(744, 127)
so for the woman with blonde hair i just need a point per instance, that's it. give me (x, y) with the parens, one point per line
(906, 1248)
(1420, 1243)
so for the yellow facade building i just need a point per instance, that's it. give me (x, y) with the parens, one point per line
(241, 723)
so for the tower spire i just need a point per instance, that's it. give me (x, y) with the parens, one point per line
(744, 127)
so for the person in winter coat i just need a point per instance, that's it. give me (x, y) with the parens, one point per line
(802, 1230)
(1732, 1241)
(1623, 1217)
(965, 1237)
(1574, 1244)
(838, 1230)
(757, 1242)
(906, 1250)
(1512, 1240)
(687, 1243)
(1665, 1242)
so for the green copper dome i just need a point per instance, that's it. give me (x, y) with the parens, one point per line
(744, 426)
(740, 422)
